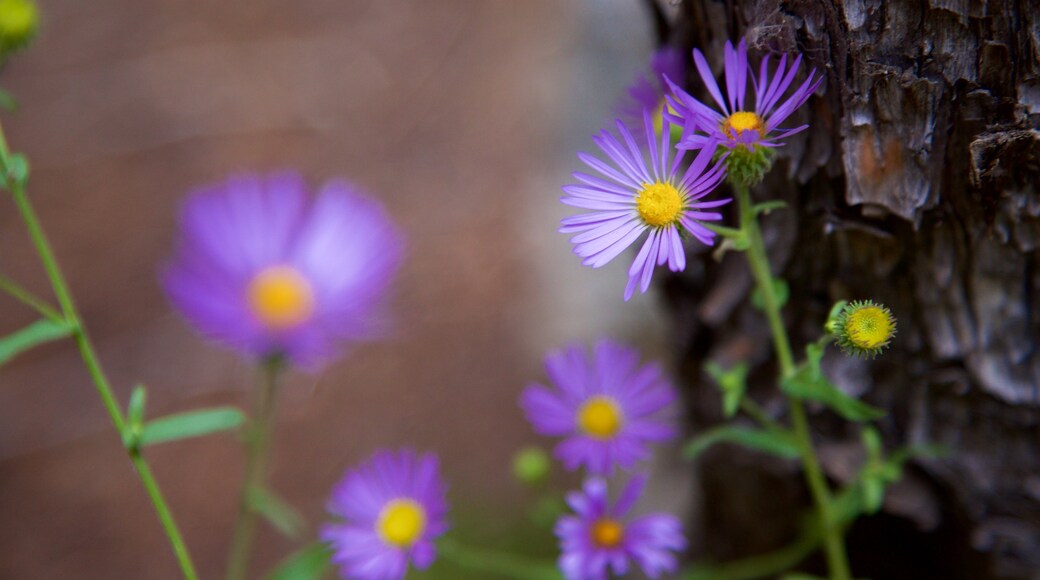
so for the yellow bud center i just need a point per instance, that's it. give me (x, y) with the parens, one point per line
(659, 204)
(281, 297)
(401, 523)
(607, 533)
(869, 327)
(742, 121)
(600, 417)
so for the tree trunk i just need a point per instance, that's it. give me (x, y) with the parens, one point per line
(916, 186)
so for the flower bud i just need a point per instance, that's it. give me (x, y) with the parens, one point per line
(18, 22)
(531, 465)
(863, 328)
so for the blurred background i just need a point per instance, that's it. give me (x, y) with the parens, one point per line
(461, 116)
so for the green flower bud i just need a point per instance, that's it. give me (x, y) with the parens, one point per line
(18, 22)
(531, 465)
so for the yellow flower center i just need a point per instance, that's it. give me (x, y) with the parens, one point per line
(869, 327)
(659, 204)
(281, 297)
(742, 121)
(607, 533)
(401, 522)
(600, 417)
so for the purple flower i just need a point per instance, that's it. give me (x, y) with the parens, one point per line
(266, 270)
(635, 198)
(737, 121)
(606, 406)
(394, 509)
(648, 89)
(598, 538)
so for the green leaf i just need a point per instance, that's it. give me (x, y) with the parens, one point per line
(732, 383)
(35, 334)
(808, 383)
(191, 424)
(779, 444)
(768, 206)
(309, 563)
(275, 510)
(17, 168)
(135, 410)
(780, 289)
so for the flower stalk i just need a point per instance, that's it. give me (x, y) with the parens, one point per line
(14, 181)
(758, 260)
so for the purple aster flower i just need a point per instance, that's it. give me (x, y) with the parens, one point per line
(648, 89)
(634, 198)
(266, 270)
(606, 406)
(598, 537)
(394, 509)
(737, 121)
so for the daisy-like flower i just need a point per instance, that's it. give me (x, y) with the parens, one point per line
(598, 538)
(737, 121)
(606, 406)
(648, 89)
(263, 268)
(632, 198)
(394, 509)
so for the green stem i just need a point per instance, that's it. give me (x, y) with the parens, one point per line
(759, 262)
(763, 565)
(90, 359)
(29, 299)
(496, 563)
(258, 446)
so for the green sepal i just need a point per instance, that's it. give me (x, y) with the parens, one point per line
(832, 318)
(780, 289)
(35, 334)
(732, 383)
(311, 562)
(277, 511)
(779, 444)
(190, 424)
(809, 384)
(135, 418)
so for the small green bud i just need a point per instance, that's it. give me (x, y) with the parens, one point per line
(747, 166)
(19, 20)
(531, 465)
(863, 328)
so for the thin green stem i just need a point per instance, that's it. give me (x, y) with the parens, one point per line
(89, 356)
(763, 565)
(759, 263)
(496, 563)
(258, 440)
(29, 299)
(753, 410)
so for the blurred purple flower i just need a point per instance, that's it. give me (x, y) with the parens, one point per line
(598, 538)
(264, 269)
(635, 198)
(735, 122)
(606, 406)
(394, 509)
(648, 89)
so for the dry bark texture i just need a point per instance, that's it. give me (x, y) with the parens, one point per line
(916, 185)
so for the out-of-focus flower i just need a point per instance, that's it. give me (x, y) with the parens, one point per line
(648, 89)
(749, 130)
(19, 20)
(634, 198)
(864, 328)
(266, 270)
(606, 406)
(394, 509)
(598, 537)
(531, 465)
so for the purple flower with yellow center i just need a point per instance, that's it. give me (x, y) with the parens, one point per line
(265, 269)
(738, 121)
(648, 90)
(607, 407)
(598, 538)
(394, 509)
(632, 198)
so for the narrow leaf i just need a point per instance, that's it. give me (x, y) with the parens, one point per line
(191, 424)
(308, 563)
(275, 510)
(135, 411)
(732, 383)
(781, 291)
(768, 206)
(808, 383)
(774, 443)
(35, 334)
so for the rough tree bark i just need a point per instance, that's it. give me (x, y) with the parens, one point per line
(916, 185)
